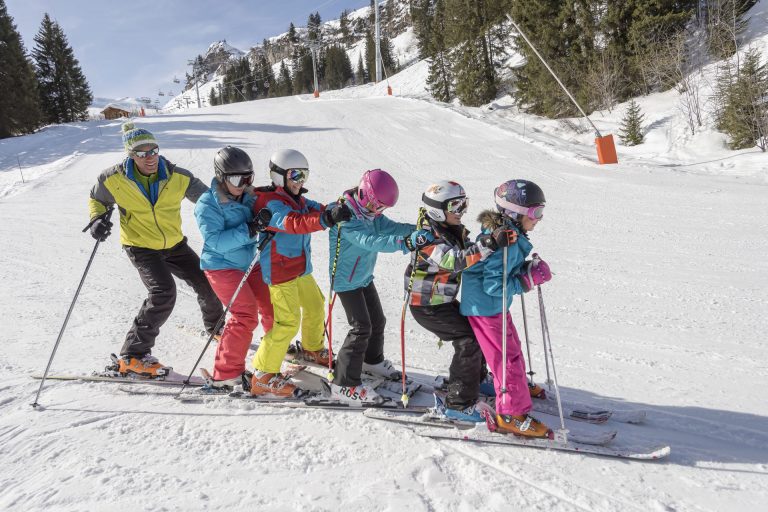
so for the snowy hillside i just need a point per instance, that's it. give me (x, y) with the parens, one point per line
(658, 303)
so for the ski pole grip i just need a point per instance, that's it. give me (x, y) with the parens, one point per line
(106, 215)
(536, 260)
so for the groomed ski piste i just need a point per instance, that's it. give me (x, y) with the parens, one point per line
(657, 303)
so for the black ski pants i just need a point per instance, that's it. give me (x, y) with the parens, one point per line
(468, 365)
(156, 269)
(365, 339)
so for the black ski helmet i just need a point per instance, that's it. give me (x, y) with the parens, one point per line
(520, 192)
(230, 160)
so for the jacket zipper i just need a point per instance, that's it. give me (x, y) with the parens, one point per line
(152, 206)
(351, 275)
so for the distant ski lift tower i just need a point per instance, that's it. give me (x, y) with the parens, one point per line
(194, 75)
(314, 47)
(176, 80)
(378, 39)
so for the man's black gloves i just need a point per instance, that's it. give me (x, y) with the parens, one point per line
(101, 227)
(259, 223)
(339, 213)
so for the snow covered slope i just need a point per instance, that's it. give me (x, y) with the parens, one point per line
(658, 302)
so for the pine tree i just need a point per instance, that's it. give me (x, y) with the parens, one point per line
(471, 54)
(346, 34)
(314, 29)
(360, 75)
(292, 37)
(440, 77)
(725, 22)
(213, 100)
(422, 15)
(64, 91)
(370, 55)
(338, 68)
(631, 131)
(744, 117)
(284, 85)
(19, 110)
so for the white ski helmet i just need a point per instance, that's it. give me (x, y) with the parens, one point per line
(282, 161)
(437, 196)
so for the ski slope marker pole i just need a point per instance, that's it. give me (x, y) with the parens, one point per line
(106, 215)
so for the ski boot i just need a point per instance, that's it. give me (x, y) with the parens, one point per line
(536, 391)
(364, 394)
(274, 385)
(522, 425)
(471, 414)
(146, 366)
(219, 387)
(383, 369)
(297, 353)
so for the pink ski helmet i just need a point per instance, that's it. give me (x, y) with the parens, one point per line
(377, 191)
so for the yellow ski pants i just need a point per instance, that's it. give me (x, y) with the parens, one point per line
(294, 302)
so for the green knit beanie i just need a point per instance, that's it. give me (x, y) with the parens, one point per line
(134, 137)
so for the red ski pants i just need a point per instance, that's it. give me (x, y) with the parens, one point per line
(252, 301)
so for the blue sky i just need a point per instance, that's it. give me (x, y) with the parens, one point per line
(136, 48)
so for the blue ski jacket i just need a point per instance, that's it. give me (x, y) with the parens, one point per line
(223, 224)
(481, 284)
(362, 238)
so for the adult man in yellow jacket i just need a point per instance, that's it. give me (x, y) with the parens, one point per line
(148, 191)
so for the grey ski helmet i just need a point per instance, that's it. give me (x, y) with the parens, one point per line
(230, 160)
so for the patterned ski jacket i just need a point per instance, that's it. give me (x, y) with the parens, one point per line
(148, 218)
(439, 265)
(223, 223)
(481, 292)
(289, 254)
(362, 238)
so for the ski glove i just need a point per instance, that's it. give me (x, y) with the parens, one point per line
(418, 239)
(101, 228)
(536, 272)
(259, 223)
(339, 213)
(499, 238)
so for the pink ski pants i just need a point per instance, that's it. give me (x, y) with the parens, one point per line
(488, 332)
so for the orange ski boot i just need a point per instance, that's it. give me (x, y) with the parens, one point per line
(536, 391)
(522, 425)
(145, 366)
(273, 384)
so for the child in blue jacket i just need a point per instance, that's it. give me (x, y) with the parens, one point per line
(519, 208)
(354, 246)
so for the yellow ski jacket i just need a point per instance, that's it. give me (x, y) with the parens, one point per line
(148, 218)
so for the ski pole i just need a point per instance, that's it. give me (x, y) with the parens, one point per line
(534, 262)
(414, 260)
(504, 330)
(331, 301)
(531, 373)
(220, 321)
(106, 215)
(548, 347)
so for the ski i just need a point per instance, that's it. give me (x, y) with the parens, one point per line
(480, 434)
(172, 379)
(432, 419)
(583, 412)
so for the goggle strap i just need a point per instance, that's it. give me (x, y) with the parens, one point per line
(522, 210)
